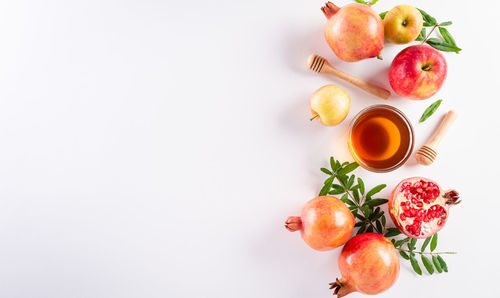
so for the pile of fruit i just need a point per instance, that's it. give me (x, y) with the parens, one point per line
(419, 207)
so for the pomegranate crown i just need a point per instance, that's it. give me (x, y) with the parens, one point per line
(329, 9)
(452, 197)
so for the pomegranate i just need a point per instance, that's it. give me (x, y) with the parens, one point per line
(354, 32)
(419, 207)
(324, 223)
(369, 264)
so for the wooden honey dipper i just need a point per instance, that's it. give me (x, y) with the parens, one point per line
(321, 65)
(428, 153)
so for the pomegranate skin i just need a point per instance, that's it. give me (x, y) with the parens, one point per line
(354, 32)
(444, 199)
(369, 264)
(324, 223)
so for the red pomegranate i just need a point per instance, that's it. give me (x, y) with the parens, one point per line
(354, 32)
(419, 207)
(369, 264)
(324, 223)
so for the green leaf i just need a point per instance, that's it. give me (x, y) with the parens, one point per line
(402, 241)
(375, 215)
(349, 202)
(422, 35)
(448, 23)
(382, 14)
(361, 186)
(430, 110)
(442, 263)
(404, 255)
(415, 265)
(345, 163)
(391, 232)
(376, 202)
(337, 165)
(329, 180)
(379, 226)
(375, 190)
(326, 171)
(348, 168)
(366, 210)
(428, 265)
(350, 182)
(326, 187)
(434, 242)
(336, 189)
(447, 36)
(427, 18)
(426, 242)
(342, 179)
(359, 224)
(361, 230)
(362, 2)
(356, 195)
(412, 244)
(332, 164)
(383, 220)
(345, 199)
(360, 217)
(436, 263)
(442, 45)
(370, 229)
(427, 24)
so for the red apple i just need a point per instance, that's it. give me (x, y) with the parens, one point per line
(417, 72)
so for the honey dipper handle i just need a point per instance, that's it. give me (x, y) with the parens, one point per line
(443, 127)
(368, 87)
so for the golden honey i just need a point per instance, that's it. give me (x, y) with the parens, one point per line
(380, 138)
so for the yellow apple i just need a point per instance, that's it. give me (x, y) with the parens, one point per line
(330, 105)
(402, 24)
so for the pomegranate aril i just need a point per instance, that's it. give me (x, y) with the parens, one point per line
(402, 216)
(420, 205)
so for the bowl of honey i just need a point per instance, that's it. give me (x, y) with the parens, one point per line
(381, 138)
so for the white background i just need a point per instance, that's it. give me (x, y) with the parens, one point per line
(154, 148)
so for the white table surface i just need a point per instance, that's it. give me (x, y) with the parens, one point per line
(154, 148)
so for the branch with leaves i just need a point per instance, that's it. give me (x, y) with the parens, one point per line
(370, 217)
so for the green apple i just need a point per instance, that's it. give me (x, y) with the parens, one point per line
(402, 24)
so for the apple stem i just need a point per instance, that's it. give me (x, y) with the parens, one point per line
(315, 116)
(428, 35)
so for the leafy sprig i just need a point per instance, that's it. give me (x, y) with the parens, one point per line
(370, 217)
(432, 261)
(445, 43)
(430, 110)
(363, 206)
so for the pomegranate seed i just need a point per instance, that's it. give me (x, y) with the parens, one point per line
(413, 201)
(402, 216)
(420, 205)
(440, 222)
